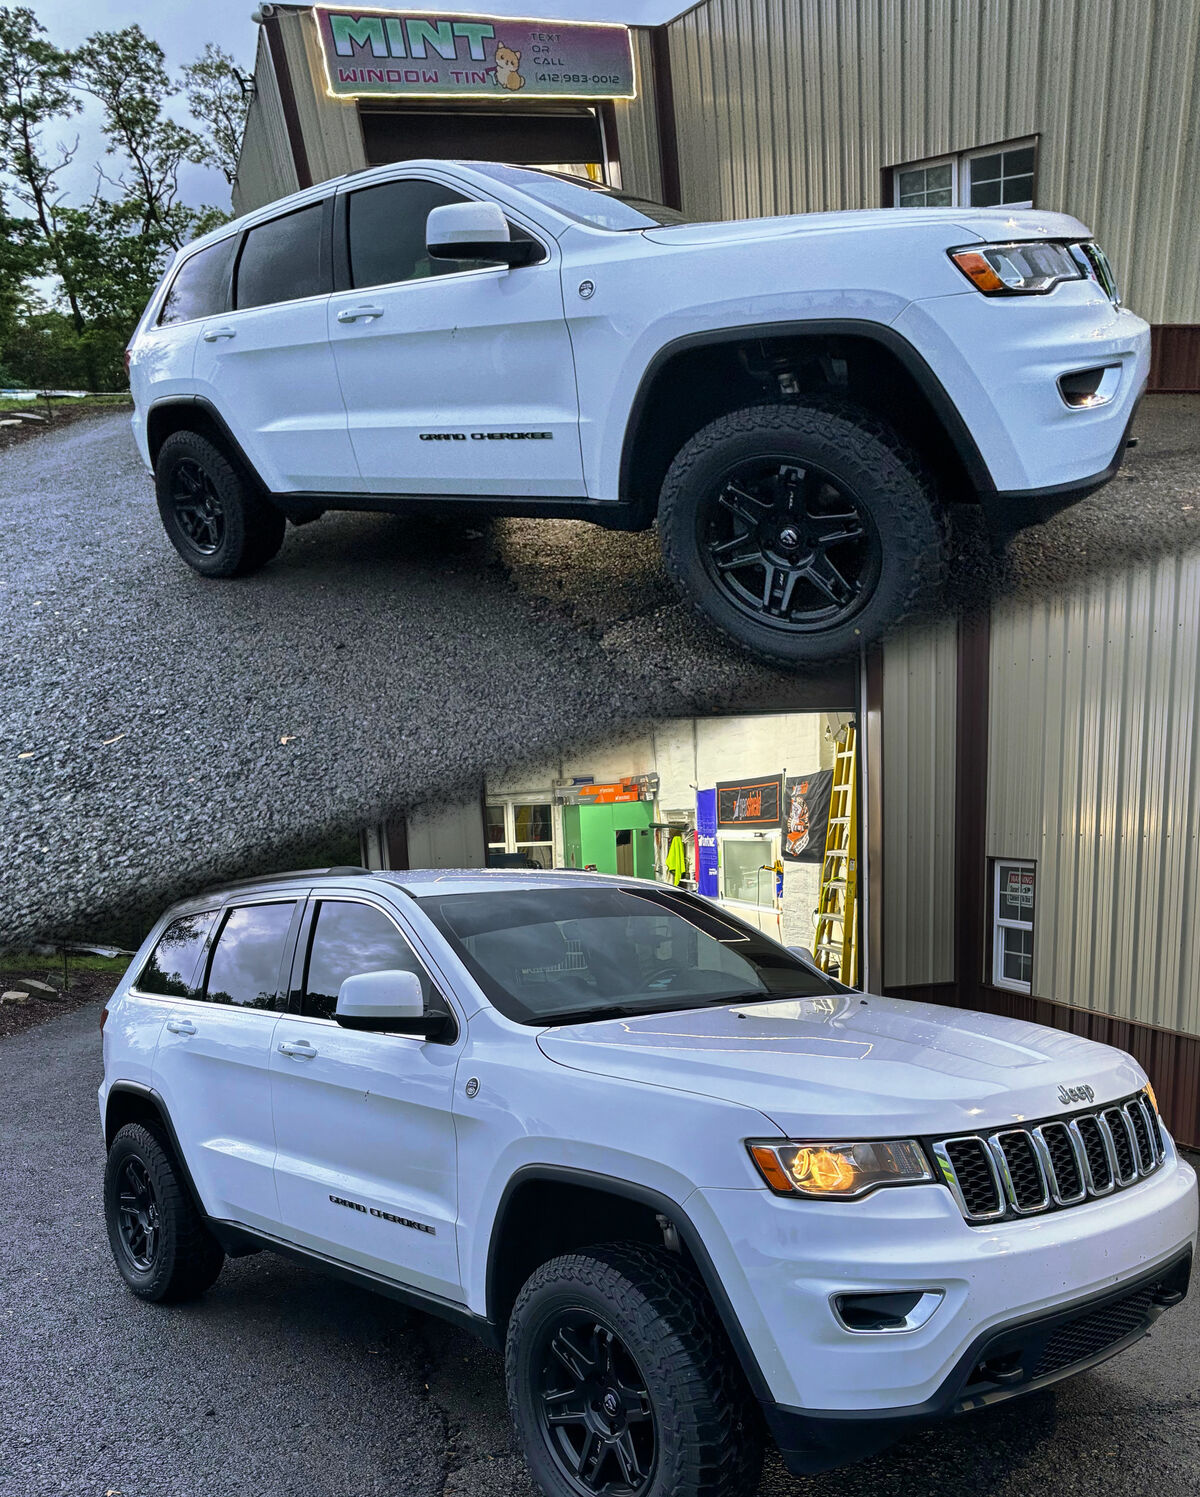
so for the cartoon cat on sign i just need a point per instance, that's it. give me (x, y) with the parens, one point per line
(508, 65)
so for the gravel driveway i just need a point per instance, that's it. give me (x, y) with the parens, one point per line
(157, 729)
(282, 1382)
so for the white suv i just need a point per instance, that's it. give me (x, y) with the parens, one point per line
(694, 1188)
(795, 401)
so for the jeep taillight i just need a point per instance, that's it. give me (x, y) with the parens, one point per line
(103, 1017)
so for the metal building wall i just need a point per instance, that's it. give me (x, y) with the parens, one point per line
(265, 167)
(918, 720)
(637, 126)
(793, 105)
(1094, 773)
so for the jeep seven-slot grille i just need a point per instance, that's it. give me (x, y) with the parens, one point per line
(1045, 1166)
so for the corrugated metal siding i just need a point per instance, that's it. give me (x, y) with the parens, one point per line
(785, 106)
(265, 167)
(637, 127)
(919, 717)
(1094, 774)
(331, 129)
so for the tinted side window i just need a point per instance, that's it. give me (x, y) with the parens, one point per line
(245, 964)
(387, 233)
(171, 969)
(281, 260)
(201, 284)
(348, 939)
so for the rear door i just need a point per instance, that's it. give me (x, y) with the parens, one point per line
(366, 1162)
(162, 356)
(458, 376)
(266, 363)
(212, 1066)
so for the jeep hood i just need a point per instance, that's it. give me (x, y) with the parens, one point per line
(959, 225)
(854, 1065)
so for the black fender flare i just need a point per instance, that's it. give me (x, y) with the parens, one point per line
(148, 1094)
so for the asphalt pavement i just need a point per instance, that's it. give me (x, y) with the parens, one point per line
(158, 731)
(282, 1383)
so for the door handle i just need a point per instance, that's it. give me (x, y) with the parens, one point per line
(298, 1049)
(179, 1025)
(212, 334)
(352, 314)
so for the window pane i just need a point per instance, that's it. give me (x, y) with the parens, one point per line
(912, 200)
(1017, 948)
(1018, 190)
(938, 177)
(911, 183)
(985, 168)
(494, 819)
(171, 969)
(531, 823)
(387, 232)
(245, 965)
(1019, 162)
(282, 260)
(1016, 887)
(941, 199)
(744, 874)
(348, 939)
(984, 194)
(200, 289)
(541, 857)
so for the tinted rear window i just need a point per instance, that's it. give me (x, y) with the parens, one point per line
(173, 963)
(245, 964)
(281, 260)
(201, 285)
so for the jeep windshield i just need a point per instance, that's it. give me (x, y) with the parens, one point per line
(586, 201)
(558, 955)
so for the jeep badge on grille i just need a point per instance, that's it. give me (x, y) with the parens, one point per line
(1069, 1094)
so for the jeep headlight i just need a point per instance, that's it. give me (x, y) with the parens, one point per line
(841, 1171)
(1017, 269)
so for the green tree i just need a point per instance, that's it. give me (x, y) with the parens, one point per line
(219, 103)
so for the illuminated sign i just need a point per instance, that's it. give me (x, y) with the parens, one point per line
(410, 54)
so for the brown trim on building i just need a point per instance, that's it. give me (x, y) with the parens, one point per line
(970, 802)
(1175, 357)
(287, 100)
(664, 109)
(870, 788)
(396, 836)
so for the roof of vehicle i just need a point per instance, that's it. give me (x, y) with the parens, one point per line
(419, 882)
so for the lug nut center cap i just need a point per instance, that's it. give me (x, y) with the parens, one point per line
(610, 1403)
(789, 536)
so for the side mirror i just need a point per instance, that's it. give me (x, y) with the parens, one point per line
(390, 1001)
(475, 231)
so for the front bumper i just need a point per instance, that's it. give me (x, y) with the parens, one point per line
(781, 1262)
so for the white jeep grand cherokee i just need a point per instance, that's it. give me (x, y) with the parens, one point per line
(795, 401)
(694, 1188)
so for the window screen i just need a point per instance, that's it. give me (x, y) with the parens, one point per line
(245, 964)
(171, 969)
(281, 260)
(201, 285)
(348, 939)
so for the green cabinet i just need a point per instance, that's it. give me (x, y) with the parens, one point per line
(612, 839)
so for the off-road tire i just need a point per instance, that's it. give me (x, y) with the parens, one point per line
(188, 1257)
(708, 1428)
(868, 457)
(251, 528)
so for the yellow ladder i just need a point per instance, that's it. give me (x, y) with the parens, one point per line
(835, 940)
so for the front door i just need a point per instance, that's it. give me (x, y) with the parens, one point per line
(212, 1065)
(366, 1165)
(458, 377)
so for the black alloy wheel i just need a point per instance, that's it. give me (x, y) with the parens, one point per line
(198, 510)
(138, 1227)
(594, 1408)
(789, 544)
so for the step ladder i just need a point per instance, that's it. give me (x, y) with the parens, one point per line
(835, 939)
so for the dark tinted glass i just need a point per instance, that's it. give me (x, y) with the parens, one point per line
(348, 939)
(245, 965)
(282, 259)
(201, 285)
(171, 969)
(387, 233)
(550, 954)
(587, 201)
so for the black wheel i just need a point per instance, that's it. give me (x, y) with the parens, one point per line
(622, 1383)
(158, 1239)
(801, 531)
(216, 519)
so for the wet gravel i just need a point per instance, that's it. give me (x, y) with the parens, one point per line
(158, 731)
(282, 1383)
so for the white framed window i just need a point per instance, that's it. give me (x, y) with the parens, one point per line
(521, 826)
(996, 176)
(747, 871)
(1014, 885)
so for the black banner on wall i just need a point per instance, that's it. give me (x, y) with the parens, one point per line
(806, 807)
(751, 803)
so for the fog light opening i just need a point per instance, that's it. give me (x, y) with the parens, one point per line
(879, 1314)
(1085, 389)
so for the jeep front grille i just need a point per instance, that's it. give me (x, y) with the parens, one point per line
(1013, 1172)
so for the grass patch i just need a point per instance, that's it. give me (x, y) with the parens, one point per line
(86, 402)
(21, 964)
